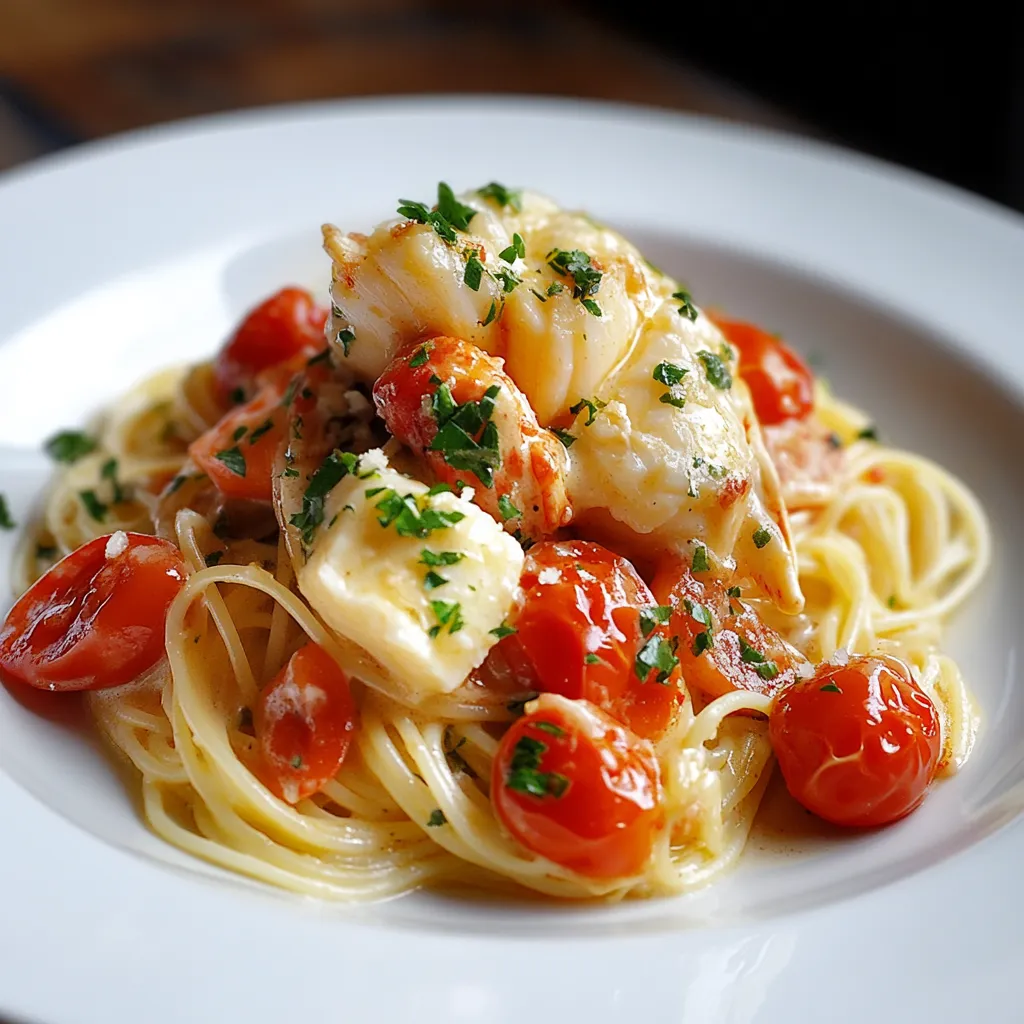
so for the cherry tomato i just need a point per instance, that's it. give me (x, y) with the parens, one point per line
(780, 382)
(238, 452)
(858, 744)
(287, 325)
(303, 723)
(583, 618)
(573, 785)
(723, 644)
(455, 406)
(96, 619)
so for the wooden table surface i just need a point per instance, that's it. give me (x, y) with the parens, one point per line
(79, 69)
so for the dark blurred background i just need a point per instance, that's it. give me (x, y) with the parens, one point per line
(940, 92)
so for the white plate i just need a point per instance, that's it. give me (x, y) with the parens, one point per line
(128, 255)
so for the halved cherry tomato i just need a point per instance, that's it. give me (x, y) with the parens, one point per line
(287, 325)
(96, 619)
(780, 382)
(858, 744)
(304, 722)
(573, 785)
(237, 453)
(582, 620)
(723, 644)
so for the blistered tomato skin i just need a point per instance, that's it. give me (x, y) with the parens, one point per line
(573, 785)
(579, 631)
(96, 619)
(858, 744)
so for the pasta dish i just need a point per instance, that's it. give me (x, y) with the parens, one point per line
(511, 568)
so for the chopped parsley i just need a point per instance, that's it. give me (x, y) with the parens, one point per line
(702, 642)
(585, 276)
(239, 433)
(328, 474)
(296, 761)
(497, 193)
(700, 559)
(290, 471)
(448, 614)
(237, 396)
(657, 655)
(466, 437)
(491, 313)
(6, 522)
(752, 656)
(718, 373)
(734, 592)
(457, 214)
(474, 272)
(503, 631)
(550, 728)
(517, 250)
(449, 216)
(653, 616)
(69, 446)
(412, 516)
(524, 773)
(892, 601)
(507, 279)
(213, 558)
(830, 687)
(699, 613)
(564, 436)
(109, 472)
(593, 407)
(345, 338)
(555, 288)
(233, 459)
(263, 428)
(436, 558)
(868, 433)
(433, 580)
(421, 355)
(93, 505)
(671, 375)
(687, 308)
(506, 509)
(593, 659)
(439, 488)
(761, 537)
(437, 818)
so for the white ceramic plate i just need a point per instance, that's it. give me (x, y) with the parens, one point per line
(128, 255)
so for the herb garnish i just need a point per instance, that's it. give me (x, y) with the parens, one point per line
(593, 407)
(262, 429)
(413, 516)
(657, 655)
(69, 446)
(449, 216)
(93, 505)
(328, 474)
(687, 309)
(433, 580)
(525, 775)
(752, 656)
(6, 522)
(436, 558)
(700, 559)
(564, 436)
(718, 373)
(671, 375)
(761, 537)
(830, 687)
(474, 272)
(421, 355)
(868, 433)
(653, 616)
(437, 818)
(466, 437)
(447, 614)
(108, 471)
(506, 509)
(233, 459)
(503, 631)
(585, 276)
(213, 558)
(517, 250)
(510, 197)
(345, 338)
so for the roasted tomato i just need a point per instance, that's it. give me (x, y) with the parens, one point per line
(288, 326)
(96, 619)
(587, 627)
(858, 743)
(574, 786)
(723, 644)
(780, 382)
(304, 722)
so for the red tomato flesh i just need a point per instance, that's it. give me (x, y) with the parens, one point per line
(579, 630)
(858, 744)
(573, 785)
(780, 382)
(96, 619)
(303, 723)
(287, 325)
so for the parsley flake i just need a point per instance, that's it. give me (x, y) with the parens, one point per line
(421, 355)
(687, 309)
(718, 373)
(657, 655)
(564, 436)
(345, 338)
(524, 773)
(437, 818)
(433, 580)
(761, 537)
(752, 656)
(503, 631)
(109, 472)
(413, 516)
(263, 428)
(93, 505)
(517, 250)
(585, 276)
(328, 474)
(233, 459)
(653, 616)
(457, 214)
(593, 659)
(490, 314)
(213, 558)
(506, 509)
(669, 373)
(550, 728)
(436, 558)
(734, 592)
(474, 273)
(6, 522)
(830, 687)
(502, 196)
(700, 559)
(868, 433)
(69, 446)
(447, 614)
